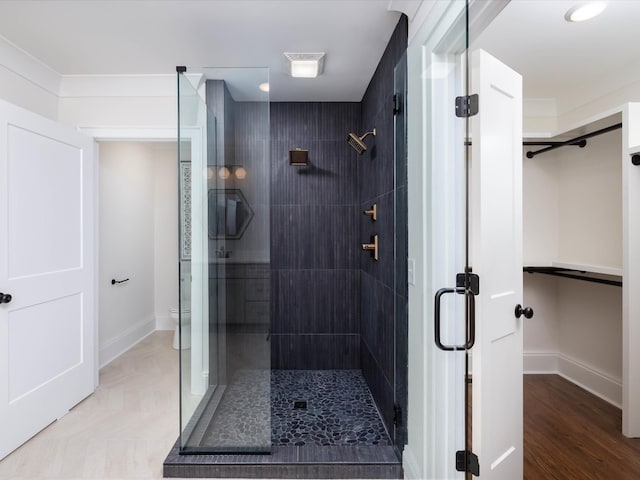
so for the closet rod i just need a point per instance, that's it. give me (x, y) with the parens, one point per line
(580, 141)
(562, 272)
(542, 143)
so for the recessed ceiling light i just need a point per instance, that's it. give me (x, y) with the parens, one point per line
(264, 86)
(585, 11)
(304, 65)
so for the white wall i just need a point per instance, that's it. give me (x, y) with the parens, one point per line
(540, 205)
(118, 111)
(590, 325)
(165, 206)
(573, 214)
(590, 201)
(572, 203)
(126, 247)
(576, 332)
(540, 338)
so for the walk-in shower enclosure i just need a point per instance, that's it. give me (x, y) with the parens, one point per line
(294, 337)
(224, 253)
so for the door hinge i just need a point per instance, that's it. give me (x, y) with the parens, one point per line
(467, 461)
(396, 104)
(468, 281)
(467, 106)
(397, 415)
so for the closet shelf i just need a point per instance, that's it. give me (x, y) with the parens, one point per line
(587, 273)
(580, 141)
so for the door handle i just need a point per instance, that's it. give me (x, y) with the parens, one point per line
(527, 311)
(471, 328)
(5, 297)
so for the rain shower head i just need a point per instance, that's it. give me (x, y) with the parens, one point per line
(358, 142)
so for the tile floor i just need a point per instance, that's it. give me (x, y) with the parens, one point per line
(123, 431)
(126, 428)
(339, 409)
(335, 409)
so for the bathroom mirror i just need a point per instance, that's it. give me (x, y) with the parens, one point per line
(229, 213)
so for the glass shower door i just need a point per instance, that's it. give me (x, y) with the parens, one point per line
(225, 356)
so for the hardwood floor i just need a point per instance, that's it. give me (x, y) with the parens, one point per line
(570, 434)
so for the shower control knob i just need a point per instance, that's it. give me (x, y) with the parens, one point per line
(527, 311)
(5, 297)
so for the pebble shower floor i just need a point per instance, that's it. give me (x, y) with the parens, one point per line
(308, 407)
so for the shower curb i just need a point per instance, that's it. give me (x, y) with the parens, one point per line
(320, 462)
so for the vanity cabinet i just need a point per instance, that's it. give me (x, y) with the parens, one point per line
(243, 294)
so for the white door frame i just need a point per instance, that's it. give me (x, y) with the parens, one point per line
(431, 416)
(433, 420)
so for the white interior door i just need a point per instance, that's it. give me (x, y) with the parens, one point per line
(47, 330)
(496, 256)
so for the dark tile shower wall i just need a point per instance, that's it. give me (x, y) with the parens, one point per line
(315, 238)
(380, 294)
(333, 307)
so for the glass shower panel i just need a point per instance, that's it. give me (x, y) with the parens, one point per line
(193, 255)
(225, 379)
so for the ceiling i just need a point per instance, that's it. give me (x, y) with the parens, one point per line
(569, 62)
(152, 37)
(565, 62)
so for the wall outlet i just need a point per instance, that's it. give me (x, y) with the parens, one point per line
(411, 271)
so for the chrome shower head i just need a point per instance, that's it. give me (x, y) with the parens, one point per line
(358, 142)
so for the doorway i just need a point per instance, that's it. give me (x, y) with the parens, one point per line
(138, 278)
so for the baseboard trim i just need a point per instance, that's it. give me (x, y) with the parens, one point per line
(115, 347)
(164, 322)
(594, 381)
(410, 464)
(540, 363)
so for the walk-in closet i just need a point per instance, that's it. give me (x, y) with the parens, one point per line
(581, 223)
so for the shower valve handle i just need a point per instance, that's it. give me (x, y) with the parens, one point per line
(372, 247)
(373, 212)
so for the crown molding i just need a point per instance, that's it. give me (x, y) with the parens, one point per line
(28, 67)
(163, 85)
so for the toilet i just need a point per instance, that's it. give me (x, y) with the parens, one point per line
(186, 328)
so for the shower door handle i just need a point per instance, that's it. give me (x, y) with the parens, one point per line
(470, 319)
